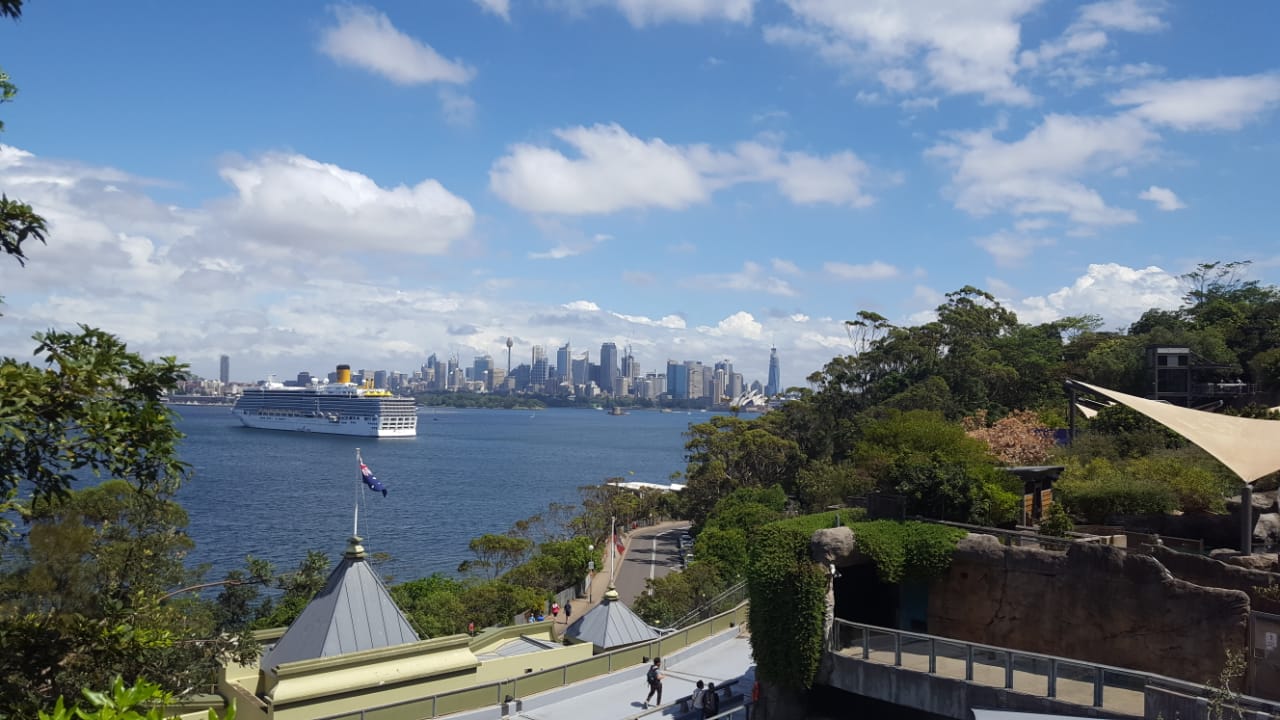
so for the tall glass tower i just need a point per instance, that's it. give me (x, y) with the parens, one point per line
(608, 366)
(775, 374)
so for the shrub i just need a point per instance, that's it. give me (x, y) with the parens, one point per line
(1056, 521)
(1101, 489)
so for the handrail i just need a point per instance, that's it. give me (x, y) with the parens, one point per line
(739, 588)
(1053, 661)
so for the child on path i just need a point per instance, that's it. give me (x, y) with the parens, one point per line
(710, 702)
(654, 677)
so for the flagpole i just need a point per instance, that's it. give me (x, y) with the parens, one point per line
(355, 516)
(613, 548)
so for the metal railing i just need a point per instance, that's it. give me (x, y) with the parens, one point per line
(1012, 538)
(727, 599)
(1073, 681)
(506, 691)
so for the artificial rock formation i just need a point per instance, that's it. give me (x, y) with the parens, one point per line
(1094, 603)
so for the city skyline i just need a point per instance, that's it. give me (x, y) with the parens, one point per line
(691, 179)
(720, 378)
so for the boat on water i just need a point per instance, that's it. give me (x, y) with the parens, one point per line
(337, 408)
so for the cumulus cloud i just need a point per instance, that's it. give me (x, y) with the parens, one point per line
(1042, 172)
(876, 270)
(1164, 198)
(294, 200)
(644, 13)
(957, 47)
(1117, 293)
(611, 170)
(581, 306)
(1221, 103)
(752, 279)
(365, 38)
(740, 324)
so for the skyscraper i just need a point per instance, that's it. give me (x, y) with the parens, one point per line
(608, 366)
(224, 369)
(774, 386)
(564, 364)
(538, 368)
(677, 380)
(482, 370)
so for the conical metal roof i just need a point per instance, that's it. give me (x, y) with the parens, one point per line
(611, 624)
(353, 612)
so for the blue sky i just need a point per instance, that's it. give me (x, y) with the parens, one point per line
(300, 184)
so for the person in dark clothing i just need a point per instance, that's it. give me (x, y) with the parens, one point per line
(654, 676)
(710, 702)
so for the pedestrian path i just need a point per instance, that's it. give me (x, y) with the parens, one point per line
(620, 695)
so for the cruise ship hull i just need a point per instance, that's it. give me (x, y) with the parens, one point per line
(358, 428)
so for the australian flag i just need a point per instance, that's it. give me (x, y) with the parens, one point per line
(366, 475)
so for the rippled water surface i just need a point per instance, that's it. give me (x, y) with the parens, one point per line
(277, 494)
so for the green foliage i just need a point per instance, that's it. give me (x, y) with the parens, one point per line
(907, 551)
(142, 701)
(93, 408)
(496, 554)
(725, 549)
(821, 483)
(298, 588)
(727, 453)
(494, 603)
(433, 605)
(788, 604)
(1100, 489)
(1056, 521)
(677, 594)
(556, 565)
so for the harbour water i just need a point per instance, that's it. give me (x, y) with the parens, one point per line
(276, 495)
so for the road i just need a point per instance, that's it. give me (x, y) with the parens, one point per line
(651, 554)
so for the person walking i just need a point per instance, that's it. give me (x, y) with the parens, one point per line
(555, 611)
(654, 676)
(568, 610)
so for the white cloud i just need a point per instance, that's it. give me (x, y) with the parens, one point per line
(1041, 173)
(567, 248)
(297, 201)
(612, 170)
(1164, 198)
(1010, 249)
(785, 267)
(366, 39)
(1088, 34)
(581, 306)
(751, 279)
(876, 270)
(958, 46)
(740, 324)
(1117, 293)
(644, 13)
(672, 322)
(501, 8)
(1221, 103)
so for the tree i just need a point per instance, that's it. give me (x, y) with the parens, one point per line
(141, 701)
(18, 222)
(728, 453)
(432, 604)
(1018, 438)
(496, 554)
(93, 408)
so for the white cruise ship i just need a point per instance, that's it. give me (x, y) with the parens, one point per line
(340, 408)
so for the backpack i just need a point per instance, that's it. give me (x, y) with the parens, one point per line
(653, 674)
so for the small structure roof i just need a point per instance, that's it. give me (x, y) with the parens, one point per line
(1250, 448)
(353, 612)
(611, 624)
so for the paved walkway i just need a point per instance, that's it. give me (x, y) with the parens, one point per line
(631, 572)
(620, 695)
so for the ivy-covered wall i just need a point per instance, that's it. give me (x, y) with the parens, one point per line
(789, 590)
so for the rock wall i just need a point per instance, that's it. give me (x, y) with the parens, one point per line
(1093, 603)
(1208, 572)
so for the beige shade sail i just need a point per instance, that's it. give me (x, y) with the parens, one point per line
(1249, 448)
